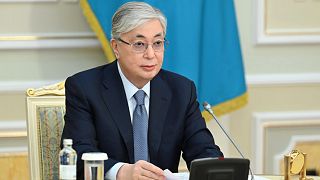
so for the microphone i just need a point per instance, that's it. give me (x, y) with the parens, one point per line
(207, 107)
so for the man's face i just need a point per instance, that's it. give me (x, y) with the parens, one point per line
(140, 67)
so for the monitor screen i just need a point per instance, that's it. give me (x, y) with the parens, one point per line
(219, 169)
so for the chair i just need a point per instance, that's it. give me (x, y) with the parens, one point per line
(45, 121)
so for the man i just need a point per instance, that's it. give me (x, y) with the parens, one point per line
(139, 114)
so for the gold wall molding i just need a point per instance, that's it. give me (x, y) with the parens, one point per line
(13, 134)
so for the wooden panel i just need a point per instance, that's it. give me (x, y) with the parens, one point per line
(14, 166)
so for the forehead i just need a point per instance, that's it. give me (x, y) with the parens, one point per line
(147, 30)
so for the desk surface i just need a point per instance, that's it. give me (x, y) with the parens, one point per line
(185, 176)
(273, 177)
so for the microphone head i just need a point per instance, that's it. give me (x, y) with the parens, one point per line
(206, 105)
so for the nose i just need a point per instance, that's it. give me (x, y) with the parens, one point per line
(149, 53)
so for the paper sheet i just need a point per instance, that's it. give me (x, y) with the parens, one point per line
(185, 176)
(176, 176)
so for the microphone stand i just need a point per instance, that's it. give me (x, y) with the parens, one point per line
(207, 107)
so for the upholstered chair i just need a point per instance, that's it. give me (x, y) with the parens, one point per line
(45, 113)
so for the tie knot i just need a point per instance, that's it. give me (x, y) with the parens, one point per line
(139, 97)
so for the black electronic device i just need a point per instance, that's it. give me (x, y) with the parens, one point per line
(208, 108)
(219, 169)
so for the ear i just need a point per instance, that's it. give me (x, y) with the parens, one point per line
(114, 46)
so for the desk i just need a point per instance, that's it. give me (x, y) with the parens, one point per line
(273, 177)
(185, 176)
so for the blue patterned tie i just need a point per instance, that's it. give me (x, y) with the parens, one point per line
(140, 128)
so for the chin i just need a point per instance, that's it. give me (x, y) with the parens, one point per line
(150, 77)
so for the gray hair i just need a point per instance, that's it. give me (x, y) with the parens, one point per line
(133, 14)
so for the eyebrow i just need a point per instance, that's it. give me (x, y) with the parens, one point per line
(142, 36)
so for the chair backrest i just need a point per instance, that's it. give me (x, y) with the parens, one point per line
(45, 120)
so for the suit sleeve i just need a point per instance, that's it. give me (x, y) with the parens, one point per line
(198, 140)
(79, 123)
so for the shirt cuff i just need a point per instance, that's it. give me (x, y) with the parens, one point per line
(112, 173)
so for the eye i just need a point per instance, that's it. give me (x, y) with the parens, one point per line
(158, 43)
(139, 44)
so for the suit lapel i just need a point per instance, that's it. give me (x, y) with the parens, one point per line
(159, 104)
(116, 101)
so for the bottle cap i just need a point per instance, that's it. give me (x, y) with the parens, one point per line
(94, 156)
(67, 141)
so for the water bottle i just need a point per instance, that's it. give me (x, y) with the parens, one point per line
(67, 161)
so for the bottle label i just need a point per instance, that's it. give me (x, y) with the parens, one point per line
(68, 171)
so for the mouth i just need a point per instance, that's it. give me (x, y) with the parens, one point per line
(148, 67)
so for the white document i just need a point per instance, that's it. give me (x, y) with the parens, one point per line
(185, 176)
(175, 176)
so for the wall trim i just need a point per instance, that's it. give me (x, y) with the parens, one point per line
(13, 149)
(282, 79)
(11, 87)
(49, 40)
(13, 129)
(262, 36)
(13, 125)
(23, 1)
(293, 141)
(263, 120)
(252, 80)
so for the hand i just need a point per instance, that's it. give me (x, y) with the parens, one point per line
(139, 171)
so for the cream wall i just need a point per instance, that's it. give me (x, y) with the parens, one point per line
(41, 16)
(283, 85)
(281, 78)
(59, 43)
(270, 59)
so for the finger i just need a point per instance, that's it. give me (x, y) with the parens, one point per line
(149, 174)
(150, 167)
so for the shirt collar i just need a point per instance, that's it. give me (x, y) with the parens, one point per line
(130, 88)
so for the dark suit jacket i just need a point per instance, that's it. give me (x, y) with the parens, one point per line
(98, 120)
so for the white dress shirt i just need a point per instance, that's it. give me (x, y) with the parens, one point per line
(130, 90)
